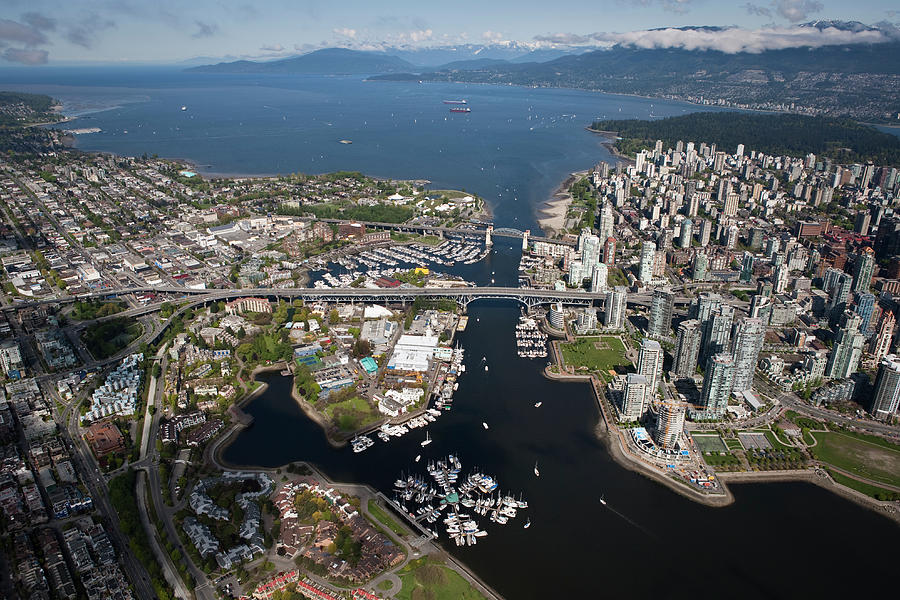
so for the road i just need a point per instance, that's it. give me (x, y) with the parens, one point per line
(149, 463)
(96, 485)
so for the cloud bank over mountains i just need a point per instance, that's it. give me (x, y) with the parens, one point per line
(731, 40)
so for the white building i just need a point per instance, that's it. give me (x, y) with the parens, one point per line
(412, 352)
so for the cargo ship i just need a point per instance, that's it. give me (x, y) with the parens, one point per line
(455, 101)
(461, 109)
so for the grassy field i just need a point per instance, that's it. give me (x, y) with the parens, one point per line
(352, 414)
(710, 443)
(584, 353)
(869, 490)
(385, 519)
(734, 444)
(429, 579)
(858, 456)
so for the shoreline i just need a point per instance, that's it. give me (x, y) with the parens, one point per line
(551, 215)
(811, 475)
(610, 144)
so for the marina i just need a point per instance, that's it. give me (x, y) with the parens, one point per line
(531, 342)
(446, 495)
(370, 266)
(445, 384)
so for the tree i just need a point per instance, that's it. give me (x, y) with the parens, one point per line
(333, 317)
(361, 348)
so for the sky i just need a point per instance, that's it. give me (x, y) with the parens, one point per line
(39, 32)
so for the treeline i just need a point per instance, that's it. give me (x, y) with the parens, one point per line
(381, 213)
(36, 102)
(124, 501)
(37, 107)
(843, 140)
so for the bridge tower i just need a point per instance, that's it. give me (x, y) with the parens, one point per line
(525, 240)
(488, 242)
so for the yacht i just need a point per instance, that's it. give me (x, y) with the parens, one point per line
(485, 425)
(538, 474)
(602, 500)
(527, 524)
(427, 439)
(537, 404)
(418, 457)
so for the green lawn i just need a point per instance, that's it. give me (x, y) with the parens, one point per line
(869, 490)
(777, 444)
(873, 461)
(584, 353)
(385, 519)
(352, 414)
(429, 579)
(734, 444)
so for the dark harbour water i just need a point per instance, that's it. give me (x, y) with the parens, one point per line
(784, 540)
(776, 541)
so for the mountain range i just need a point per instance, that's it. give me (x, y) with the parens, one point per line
(837, 77)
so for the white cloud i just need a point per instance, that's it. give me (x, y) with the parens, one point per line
(417, 36)
(797, 10)
(492, 36)
(565, 39)
(272, 48)
(344, 32)
(735, 39)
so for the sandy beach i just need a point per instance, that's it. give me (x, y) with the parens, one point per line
(552, 215)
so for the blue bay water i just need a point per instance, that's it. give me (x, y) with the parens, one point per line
(514, 148)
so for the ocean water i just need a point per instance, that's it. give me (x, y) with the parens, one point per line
(514, 148)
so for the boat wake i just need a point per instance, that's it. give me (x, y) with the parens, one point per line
(631, 521)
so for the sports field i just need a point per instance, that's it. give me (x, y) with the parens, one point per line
(710, 443)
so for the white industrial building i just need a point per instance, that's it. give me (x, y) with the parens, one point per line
(412, 352)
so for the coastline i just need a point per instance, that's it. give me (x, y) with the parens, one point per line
(610, 144)
(813, 475)
(551, 215)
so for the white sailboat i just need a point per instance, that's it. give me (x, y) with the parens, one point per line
(538, 404)
(418, 457)
(602, 500)
(536, 472)
(485, 425)
(427, 439)
(527, 524)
